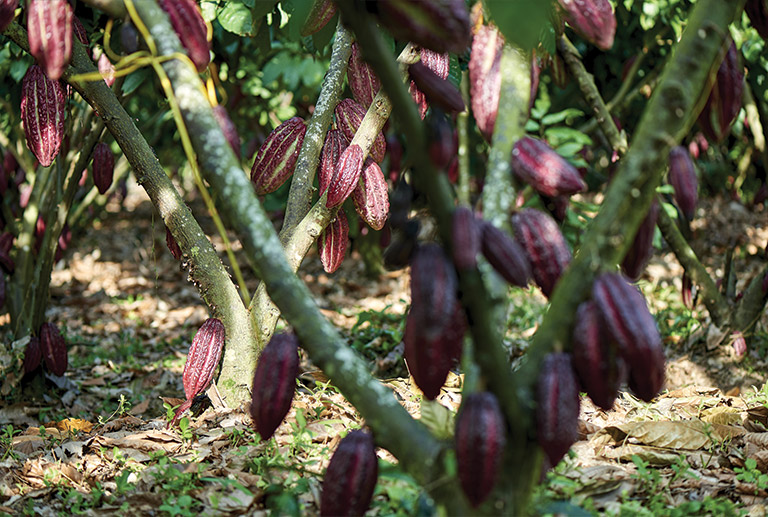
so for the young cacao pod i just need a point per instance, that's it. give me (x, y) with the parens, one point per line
(371, 196)
(640, 252)
(557, 407)
(682, 177)
(54, 348)
(321, 13)
(485, 77)
(189, 25)
(274, 383)
(7, 10)
(42, 114)
(332, 242)
(505, 255)
(103, 167)
(361, 78)
(480, 439)
(594, 20)
(439, 25)
(345, 175)
(545, 246)
(349, 116)
(465, 238)
(537, 164)
(350, 477)
(49, 29)
(276, 159)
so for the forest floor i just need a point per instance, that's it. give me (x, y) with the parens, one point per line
(95, 441)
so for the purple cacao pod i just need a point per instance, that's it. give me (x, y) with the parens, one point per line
(371, 196)
(485, 77)
(103, 167)
(640, 252)
(274, 383)
(724, 101)
(32, 355)
(189, 25)
(682, 177)
(545, 246)
(537, 164)
(349, 116)
(345, 175)
(436, 90)
(49, 28)
(442, 146)
(557, 407)
(7, 10)
(54, 348)
(757, 10)
(505, 255)
(335, 144)
(465, 238)
(362, 80)
(439, 25)
(42, 114)
(276, 159)
(350, 477)
(332, 242)
(594, 20)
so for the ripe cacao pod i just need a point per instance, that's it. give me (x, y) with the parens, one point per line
(593, 20)
(173, 246)
(465, 238)
(480, 439)
(332, 242)
(42, 114)
(274, 383)
(537, 164)
(596, 360)
(757, 10)
(506, 256)
(682, 177)
(557, 407)
(439, 64)
(54, 348)
(276, 159)
(724, 101)
(228, 128)
(49, 28)
(439, 25)
(437, 91)
(7, 10)
(189, 25)
(321, 13)
(345, 175)
(485, 77)
(335, 144)
(32, 355)
(350, 477)
(371, 196)
(640, 252)
(362, 80)
(349, 116)
(103, 167)
(626, 316)
(545, 246)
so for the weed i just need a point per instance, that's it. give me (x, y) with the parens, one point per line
(751, 474)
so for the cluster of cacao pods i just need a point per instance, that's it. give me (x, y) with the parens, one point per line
(202, 360)
(48, 347)
(274, 383)
(351, 476)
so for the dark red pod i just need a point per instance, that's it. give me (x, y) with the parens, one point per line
(480, 439)
(189, 25)
(351, 476)
(439, 25)
(557, 407)
(276, 159)
(7, 9)
(49, 29)
(757, 10)
(371, 195)
(361, 78)
(640, 252)
(537, 164)
(682, 177)
(80, 33)
(485, 77)
(274, 383)
(724, 101)
(594, 20)
(465, 238)
(545, 246)
(437, 90)
(42, 114)
(54, 348)
(349, 116)
(440, 134)
(103, 167)
(203, 357)
(333, 241)
(321, 13)
(345, 175)
(32, 355)
(507, 257)
(335, 144)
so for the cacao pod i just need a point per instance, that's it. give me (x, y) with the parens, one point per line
(54, 348)
(349, 116)
(228, 128)
(80, 33)
(442, 146)
(593, 20)
(557, 206)
(739, 344)
(173, 246)
(371, 196)
(49, 28)
(274, 383)
(439, 25)
(103, 167)
(439, 63)
(203, 357)
(321, 13)
(687, 291)
(537, 164)
(42, 114)
(437, 91)
(544, 245)
(465, 238)
(505, 255)
(332, 243)
(757, 10)
(335, 144)
(32, 355)
(276, 159)
(362, 80)
(557, 407)
(640, 252)
(189, 25)
(345, 175)
(7, 11)
(596, 360)
(350, 478)
(485, 77)
(724, 101)
(480, 440)
(129, 37)
(682, 177)
(626, 316)
(400, 207)
(560, 72)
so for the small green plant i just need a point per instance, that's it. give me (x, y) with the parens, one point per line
(6, 442)
(751, 474)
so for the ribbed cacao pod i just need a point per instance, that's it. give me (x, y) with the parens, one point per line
(682, 177)
(332, 242)
(593, 20)
(350, 477)
(439, 25)
(437, 91)
(54, 348)
(103, 167)
(537, 164)
(596, 358)
(371, 196)
(42, 114)
(687, 291)
(545, 246)
(276, 159)
(189, 25)
(228, 128)
(32, 355)
(335, 144)
(640, 252)
(465, 238)
(345, 175)
(362, 80)
(480, 439)
(485, 77)
(7, 10)
(173, 246)
(79, 30)
(739, 344)
(625, 314)
(505, 255)
(274, 383)
(557, 407)
(439, 64)
(49, 28)
(349, 116)
(321, 13)
(724, 101)
(757, 10)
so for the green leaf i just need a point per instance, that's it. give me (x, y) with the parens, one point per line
(524, 23)
(437, 418)
(559, 135)
(567, 114)
(134, 80)
(236, 17)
